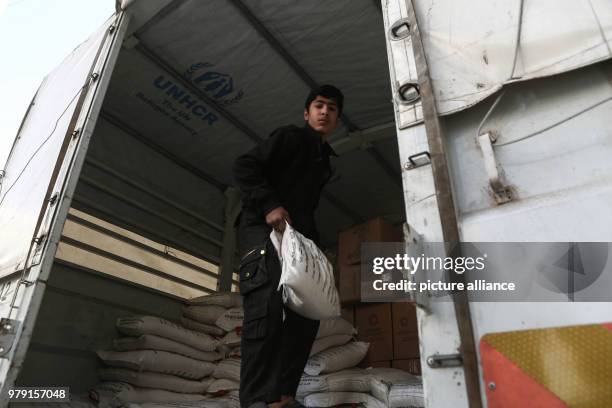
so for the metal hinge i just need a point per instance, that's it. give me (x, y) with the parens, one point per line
(502, 193)
(418, 160)
(8, 331)
(445, 360)
(414, 247)
(53, 199)
(39, 240)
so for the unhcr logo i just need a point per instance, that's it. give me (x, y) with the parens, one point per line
(219, 85)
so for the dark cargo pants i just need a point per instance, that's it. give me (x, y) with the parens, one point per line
(274, 351)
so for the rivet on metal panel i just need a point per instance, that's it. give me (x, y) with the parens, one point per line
(53, 199)
(39, 239)
(492, 386)
(8, 330)
(75, 133)
(413, 163)
(408, 93)
(400, 30)
(95, 76)
(111, 29)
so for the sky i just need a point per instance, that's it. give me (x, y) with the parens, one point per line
(35, 36)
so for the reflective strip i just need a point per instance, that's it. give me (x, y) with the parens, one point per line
(557, 367)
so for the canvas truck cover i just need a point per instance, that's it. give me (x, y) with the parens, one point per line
(40, 144)
(474, 48)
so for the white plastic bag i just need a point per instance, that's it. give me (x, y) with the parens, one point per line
(307, 277)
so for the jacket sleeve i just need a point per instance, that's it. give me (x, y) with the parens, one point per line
(251, 169)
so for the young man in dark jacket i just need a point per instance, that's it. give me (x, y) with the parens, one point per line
(281, 181)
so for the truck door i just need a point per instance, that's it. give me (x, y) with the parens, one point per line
(38, 182)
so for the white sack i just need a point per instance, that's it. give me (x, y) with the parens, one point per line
(331, 399)
(337, 358)
(330, 341)
(204, 314)
(229, 369)
(201, 327)
(147, 379)
(307, 277)
(208, 403)
(231, 340)
(350, 380)
(158, 361)
(231, 319)
(396, 388)
(337, 325)
(138, 325)
(128, 393)
(152, 342)
(222, 386)
(226, 300)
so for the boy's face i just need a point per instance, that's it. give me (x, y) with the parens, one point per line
(322, 115)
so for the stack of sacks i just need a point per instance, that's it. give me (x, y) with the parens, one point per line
(396, 388)
(332, 364)
(372, 387)
(159, 361)
(220, 315)
(331, 377)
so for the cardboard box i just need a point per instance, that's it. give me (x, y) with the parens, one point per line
(374, 326)
(349, 241)
(350, 284)
(386, 364)
(413, 366)
(405, 331)
(348, 314)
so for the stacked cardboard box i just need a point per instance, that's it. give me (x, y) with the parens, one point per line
(349, 254)
(390, 328)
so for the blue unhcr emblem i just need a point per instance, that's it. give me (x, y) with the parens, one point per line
(218, 85)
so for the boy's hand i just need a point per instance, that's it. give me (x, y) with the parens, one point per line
(277, 217)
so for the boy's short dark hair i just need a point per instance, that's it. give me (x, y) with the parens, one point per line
(327, 91)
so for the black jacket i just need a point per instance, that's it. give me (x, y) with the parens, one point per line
(288, 169)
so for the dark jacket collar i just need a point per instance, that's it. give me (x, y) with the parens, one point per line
(326, 146)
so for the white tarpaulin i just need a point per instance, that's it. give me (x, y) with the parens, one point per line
(473, 48)
(200, 83)
(34, 155)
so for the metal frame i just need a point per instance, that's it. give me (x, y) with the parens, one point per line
(31, 298)
(138, 244)
(113, 193)
(85, 203)
(115, 121)
(309, 80)
(228, 252)
(128, 262)
(446, 208)
(232, 119)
